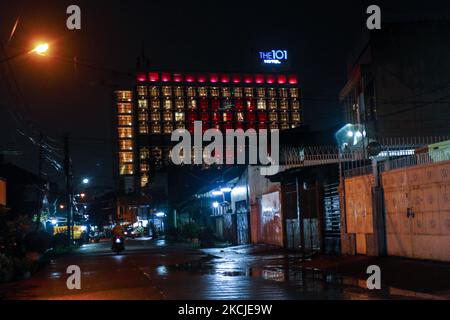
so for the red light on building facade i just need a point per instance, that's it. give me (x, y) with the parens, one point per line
(141, 77)
(153, 76)
(292, 79)
(259, 78)
(214, 77)
(224, 78)
(248, 78)
(270, 78)
(282, 79)
(201, 78)
(166, 77)
(177, 77)
(236, 78)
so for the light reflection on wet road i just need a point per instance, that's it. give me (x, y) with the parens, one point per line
(160, 270)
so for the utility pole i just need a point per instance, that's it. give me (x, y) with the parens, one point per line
(68, 176)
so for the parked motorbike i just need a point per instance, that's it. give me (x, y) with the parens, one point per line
(118, 244)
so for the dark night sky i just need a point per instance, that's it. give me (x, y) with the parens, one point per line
(189, 35)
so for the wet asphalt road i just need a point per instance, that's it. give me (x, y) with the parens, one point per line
(156, 269)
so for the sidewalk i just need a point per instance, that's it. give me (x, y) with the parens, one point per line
(415, 278)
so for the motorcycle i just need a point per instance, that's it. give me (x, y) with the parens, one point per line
(118, 244)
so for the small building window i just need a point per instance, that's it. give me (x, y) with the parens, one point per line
(143, 104)
(125, 169)
(237, 92)
(179, 116)
(167, 116)
(155, 116)
(261, 104)
(191, 92)
(154, 91)
(125, 157)
(124, 108)
(167, 104)
(248, 92)
(156, 104)
(124, 121)
(203, 91)
(125, 132)
(179, 92)
(167, 91)
(142, 91)
(125, 144)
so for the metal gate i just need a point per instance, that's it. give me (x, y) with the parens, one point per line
(331, 219)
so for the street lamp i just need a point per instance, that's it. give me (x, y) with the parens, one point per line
(39, 49)
(85, 181)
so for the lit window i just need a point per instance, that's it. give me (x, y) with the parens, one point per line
(284, 126)
(144, 180)
(283, 92)
(248, 92)
(179, 92)
(294, 92)
(167, 116)
(142, 91)
(124, 108)
(167, 104)
(214, 92)
(125, 132)
(295, 105)
(156, 128)
(191, 92)
(179, 104)
(124, 95)
(261, 92)
(125, 169)
(154, 91)
(193, 104)
(240, 116)
(226, 93)
(272, 104)
(144, 153)
(156, 104)
(237, 92)
(125, 144)
(273, 125)
(202, 91)
(168, 128)
(271, 92)
(143, 104)
(167, 91)
(180, 125)
(284, 116)
(145, 167)
(125, 121)
(295, 116)
(155, 116)
(261, 104)
(283, 104)
(143, 116)
(179, 116)
(273, 116)
(125, 157)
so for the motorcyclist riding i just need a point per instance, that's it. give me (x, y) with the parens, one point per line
(118, 238)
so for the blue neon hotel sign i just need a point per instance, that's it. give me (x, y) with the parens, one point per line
(273, 56)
